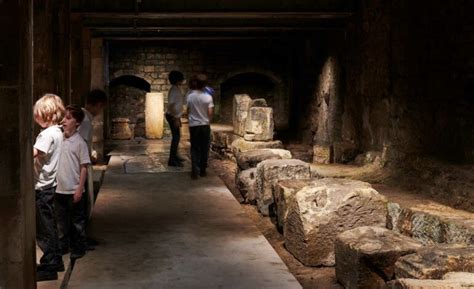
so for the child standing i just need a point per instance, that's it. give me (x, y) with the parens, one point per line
(48, 113)
(71, 180)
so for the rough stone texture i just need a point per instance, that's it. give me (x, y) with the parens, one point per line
(246, 184)
(250, 159)
(241, 145)
(453, 280)
(240, 113)
(283, 193)
(121, 128)
(128, 102)
(261, 102)
(429, 228)
(434, 262)
(259, 124)
(319, 212)
(366, 256)
(271, 171)
(321, 154)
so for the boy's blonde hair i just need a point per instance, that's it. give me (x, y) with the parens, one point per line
(50, 108)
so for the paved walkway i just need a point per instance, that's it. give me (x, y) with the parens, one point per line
(157, 228)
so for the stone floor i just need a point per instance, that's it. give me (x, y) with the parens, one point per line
(157, 228)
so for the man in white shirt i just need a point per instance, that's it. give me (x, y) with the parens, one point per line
(200, 110)
(174, 111)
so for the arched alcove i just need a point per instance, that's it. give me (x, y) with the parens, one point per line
(256, 85)
(127, 99)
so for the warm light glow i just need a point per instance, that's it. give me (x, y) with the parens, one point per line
(154, 115)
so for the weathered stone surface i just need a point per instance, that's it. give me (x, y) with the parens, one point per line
(366, 256)
(283, 193)
(271, 171)
(241, 145)
(261, 102)
(223, 139)
(240, 110)
(321, 154)
(259, 124)
(453, 280)
(434, 262)
(250, 159)
(428, 228)
(121, 128)
(318, 213)
(246, 184)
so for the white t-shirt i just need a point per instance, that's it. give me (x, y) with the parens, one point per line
(198, 104)
(74, 153)
(175, 101)
(49, 142)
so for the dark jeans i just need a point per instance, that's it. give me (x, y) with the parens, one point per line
(71, 223)
(46, 227)
(200, 141)
(175, 133)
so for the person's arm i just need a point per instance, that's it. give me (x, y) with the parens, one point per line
(210, 112)
(82, 180)
(37, 153)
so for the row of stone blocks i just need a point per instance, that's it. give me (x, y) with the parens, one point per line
(342, 222)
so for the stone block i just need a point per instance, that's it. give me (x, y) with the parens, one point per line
(241, 145)
(223, 139)
(366, 256)
(246, 184)
(259, 124)
(240, 110)
(429, 228)
(250, 159)
(269, 172)
(454, 280)
(283, 193)
(121, 128)
(321, 154)
(435, 262)
(318, 213)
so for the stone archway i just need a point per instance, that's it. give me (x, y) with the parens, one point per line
(257, 84)
(127, 100)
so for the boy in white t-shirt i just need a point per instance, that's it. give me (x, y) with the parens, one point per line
(48, 113)
(71, 178)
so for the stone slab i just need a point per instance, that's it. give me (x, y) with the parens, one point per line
(454, 280)
(250, 159)
(246, 184)
(241, 145)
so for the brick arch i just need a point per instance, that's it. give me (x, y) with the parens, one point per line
(280, 97)
(131, 80)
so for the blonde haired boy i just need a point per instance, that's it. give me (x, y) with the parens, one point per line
(48, 113)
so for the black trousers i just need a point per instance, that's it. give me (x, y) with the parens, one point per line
(46, 227)
(71, 223)
(175, 137)
(200, 141)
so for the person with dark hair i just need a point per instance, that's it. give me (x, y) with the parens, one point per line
(174, 111)
(200, 110)
(71, 178)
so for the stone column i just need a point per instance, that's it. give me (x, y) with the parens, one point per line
(154, 115)
(17, 198)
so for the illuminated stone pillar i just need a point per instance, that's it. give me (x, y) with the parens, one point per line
(154, 115)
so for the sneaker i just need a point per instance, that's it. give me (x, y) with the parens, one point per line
(46, 275)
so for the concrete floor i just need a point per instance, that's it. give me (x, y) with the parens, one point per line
(157, 228)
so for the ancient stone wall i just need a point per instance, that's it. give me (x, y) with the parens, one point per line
(220, 60)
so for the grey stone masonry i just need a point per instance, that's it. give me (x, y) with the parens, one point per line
(318, 213)
(240, 111)
(250, 159)
(366, 256)
(241, 145)
(283, 193)
(246, 184)
(269, 172)
(259, 124)
(454, 280)
(435, 262)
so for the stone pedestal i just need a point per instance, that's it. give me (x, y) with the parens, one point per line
(154, 115)
(259, 124)
(318, 213)
(240, 109)
(121, 128)
(366, 256)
